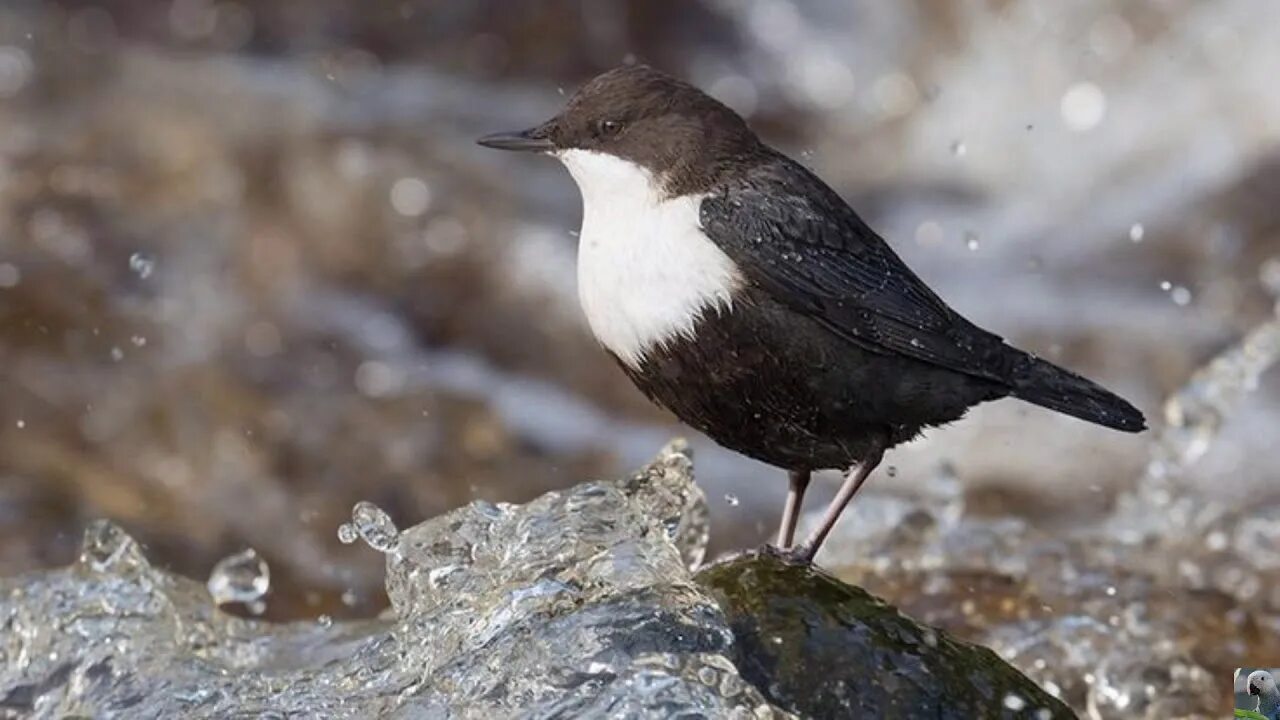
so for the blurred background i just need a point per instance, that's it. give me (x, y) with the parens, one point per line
(254, 269)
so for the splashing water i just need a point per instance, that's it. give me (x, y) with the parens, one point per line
(142, 264)
(370, 523)
(347, 533)
(1194, 415)
(107, 547)
(243, 577)
(579, 604)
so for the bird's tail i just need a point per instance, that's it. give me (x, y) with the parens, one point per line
(1050, 386)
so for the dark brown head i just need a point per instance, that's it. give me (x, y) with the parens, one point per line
(682, 136)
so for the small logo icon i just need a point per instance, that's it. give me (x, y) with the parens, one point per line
(1257, 696)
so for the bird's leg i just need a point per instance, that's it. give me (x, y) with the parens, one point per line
(852, 483)
(791, 511)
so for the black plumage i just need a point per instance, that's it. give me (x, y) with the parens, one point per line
(801, 244)
(770, 383)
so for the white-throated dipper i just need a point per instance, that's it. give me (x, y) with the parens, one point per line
(740, 292)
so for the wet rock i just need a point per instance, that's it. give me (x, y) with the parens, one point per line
(821, 648)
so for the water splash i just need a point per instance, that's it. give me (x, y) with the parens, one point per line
(243, 577)
(142, 264)
(578, 604)
(347, 533)
(1194, 415)
(371, 524)
(106, 547)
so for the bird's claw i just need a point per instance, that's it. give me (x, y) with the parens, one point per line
(798, 554)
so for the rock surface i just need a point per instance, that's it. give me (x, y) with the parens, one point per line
(821, 648)
(580, 603)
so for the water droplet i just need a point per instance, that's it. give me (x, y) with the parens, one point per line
(929, 232)
(243, 577)
(1014, 702)
(1083, 106)
(375, 526)
(732, 500)
(138, 340)
(971, 240)
(410, 196)
(117, 354)
(891, 471)
(142, 264)
(22, 424)
(347, 533)
(349, 597)
(107, 546)
(324, 621)
(1136, 232)
(1165, 285)
(1111, 590)
(257, 607)
(896, 93)
(958, 148)
(1180, 295)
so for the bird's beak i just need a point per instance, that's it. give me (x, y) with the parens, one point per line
(1253, 689)
(531, 140)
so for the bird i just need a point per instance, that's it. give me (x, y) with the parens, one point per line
(1263, 685)
(740, 292)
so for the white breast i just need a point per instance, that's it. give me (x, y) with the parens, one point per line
(646, 271)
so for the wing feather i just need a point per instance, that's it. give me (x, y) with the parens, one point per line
(798, 240)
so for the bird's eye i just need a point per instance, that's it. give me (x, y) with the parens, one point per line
(607, 128)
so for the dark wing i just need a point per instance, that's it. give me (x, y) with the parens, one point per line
(796, 239)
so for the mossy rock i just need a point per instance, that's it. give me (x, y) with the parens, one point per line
(824, 649)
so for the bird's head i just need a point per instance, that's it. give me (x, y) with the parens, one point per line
(636, 119)
(1260, 682)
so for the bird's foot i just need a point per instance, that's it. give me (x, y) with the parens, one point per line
(800, 554)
